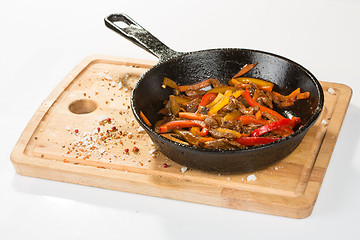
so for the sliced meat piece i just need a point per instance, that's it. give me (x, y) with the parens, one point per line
(231, 105)
(215, 83)
(221, 143)
(236, 144)
(269, 116)
(211, 122)
(165, 111)
(247, 129)
(194, 93)
(217, 134)
(192, 106)
(263, 99)
(228, 124)
(246, 111)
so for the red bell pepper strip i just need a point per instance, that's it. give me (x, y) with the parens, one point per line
(166, 127)
(276, 125)
(251, 141)
(206, 99)
(253, 103)
(192, 116)
(245, 69)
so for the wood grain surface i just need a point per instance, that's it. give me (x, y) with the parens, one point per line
(85, 133)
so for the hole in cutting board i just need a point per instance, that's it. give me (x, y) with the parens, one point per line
(82, 106)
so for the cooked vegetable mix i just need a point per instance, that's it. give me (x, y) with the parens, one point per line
(238, 115)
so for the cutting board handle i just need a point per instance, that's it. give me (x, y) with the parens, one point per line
(133, 32)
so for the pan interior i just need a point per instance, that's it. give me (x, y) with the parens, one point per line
(222, 64)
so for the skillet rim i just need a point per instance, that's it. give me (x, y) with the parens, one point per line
(303, 128)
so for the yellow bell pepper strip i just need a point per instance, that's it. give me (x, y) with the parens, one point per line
(169, 136)
(253, 103)
(181, 99)
(195, 130)
(177, 124)
(215, 101)
(174, 105)
(232, 132)
(275, 125)
(245, 69)
(252, 141)
(261, 84)
(192, 116)
(206, 99)
(231, 116)
(170, 83)
(144, 118)
(222, 103)
(222, 89)
(238, 93)
(196, 86)
(249, 119)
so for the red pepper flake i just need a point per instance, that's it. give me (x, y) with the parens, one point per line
(113, 128)
(108, 120)
(76, 130)
(135, 149)
(98, 129)
(126, 150)
(66, 161)
(165, 165)
(141, 164)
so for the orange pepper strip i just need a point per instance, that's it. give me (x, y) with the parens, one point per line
(144, 118)
(258, 115)
(303, 95)
(294, 94)
(245, 69)
(206, 139)
(195, 86)
(193, 116)
(253, 103)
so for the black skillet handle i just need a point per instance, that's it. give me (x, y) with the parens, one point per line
(138, 35)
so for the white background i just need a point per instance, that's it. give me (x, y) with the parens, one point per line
(41, 41)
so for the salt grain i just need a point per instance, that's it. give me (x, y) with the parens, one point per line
(251, 177)
(331, 90)
(183, 169)
(140, 129)
(324, 122)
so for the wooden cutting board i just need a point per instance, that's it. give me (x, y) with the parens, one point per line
(85, 133)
